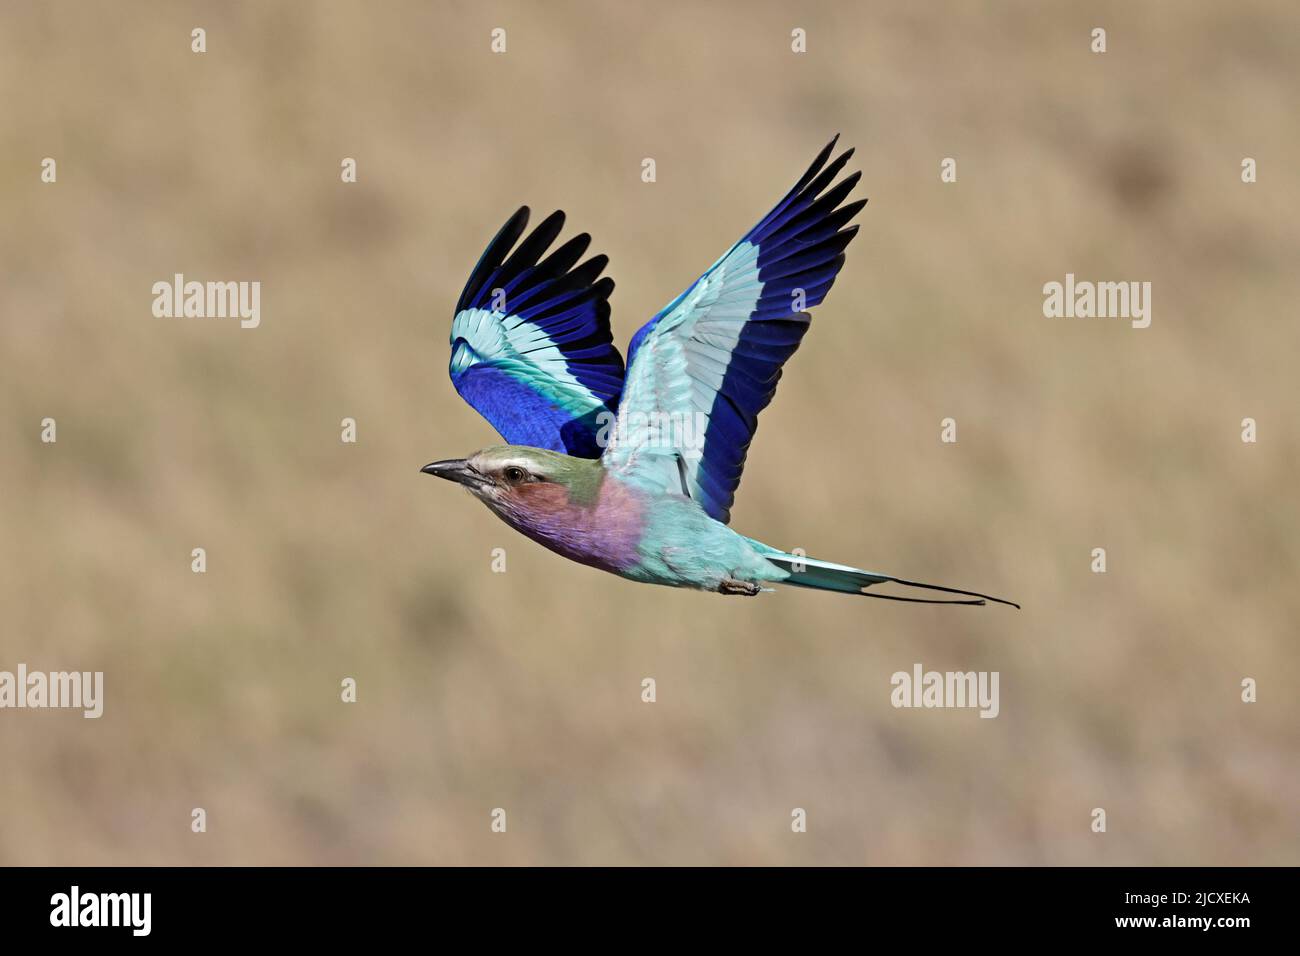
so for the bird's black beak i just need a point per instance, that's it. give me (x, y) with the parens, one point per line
(455, 469)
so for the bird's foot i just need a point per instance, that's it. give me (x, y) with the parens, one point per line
(732, 586)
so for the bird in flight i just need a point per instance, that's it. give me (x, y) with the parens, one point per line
(635, 473)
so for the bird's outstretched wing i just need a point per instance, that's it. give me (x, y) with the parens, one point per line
(531, 348)
(701, 370)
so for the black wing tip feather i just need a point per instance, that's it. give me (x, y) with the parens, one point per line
(514, 228)
(823, 163)
(816, 198)
(494, 254)
(813, 170)
(506, 256)
(823, 157)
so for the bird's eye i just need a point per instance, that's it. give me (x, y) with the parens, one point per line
(514, 474)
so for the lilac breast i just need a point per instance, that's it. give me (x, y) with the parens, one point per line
(604, 534)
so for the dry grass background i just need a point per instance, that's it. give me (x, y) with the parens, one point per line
(521, 690)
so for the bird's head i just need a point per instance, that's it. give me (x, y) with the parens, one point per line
(515, 480)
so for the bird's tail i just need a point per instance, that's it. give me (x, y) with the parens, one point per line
(825, 576)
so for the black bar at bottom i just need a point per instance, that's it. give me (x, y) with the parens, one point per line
(326, 906)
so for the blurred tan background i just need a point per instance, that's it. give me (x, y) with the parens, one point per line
(522, 690)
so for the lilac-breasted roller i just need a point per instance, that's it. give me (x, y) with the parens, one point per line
(635, 473)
